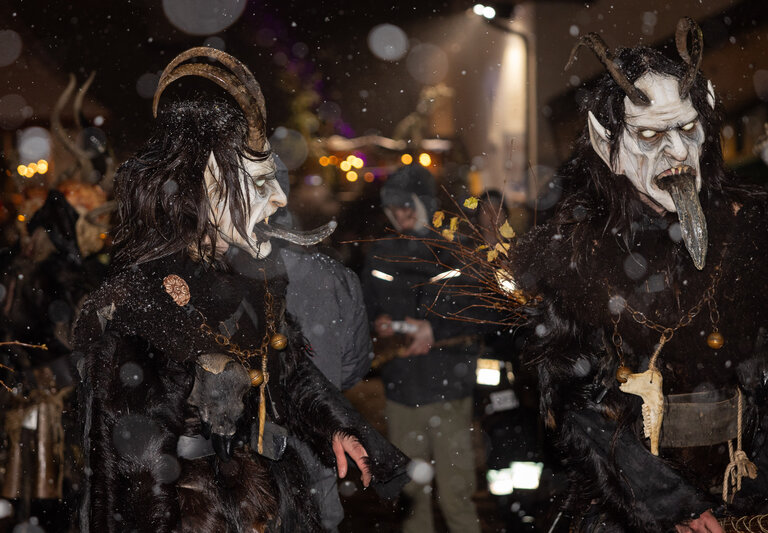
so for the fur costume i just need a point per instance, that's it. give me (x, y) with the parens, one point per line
(176, 438)
(606, 251)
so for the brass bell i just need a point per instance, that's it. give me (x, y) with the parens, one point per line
(278, 341)
(715, 340)
(622, 373)
(257, 377)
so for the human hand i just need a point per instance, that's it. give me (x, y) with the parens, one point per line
(383, 326)
(705, 523)
(347, 444)
(422, 339)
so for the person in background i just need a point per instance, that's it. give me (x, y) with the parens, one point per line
(429, 384)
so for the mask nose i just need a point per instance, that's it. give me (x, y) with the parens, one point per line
(278, 198)
(675, 147)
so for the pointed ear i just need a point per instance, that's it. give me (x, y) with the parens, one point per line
(600, 139)
(710, 94)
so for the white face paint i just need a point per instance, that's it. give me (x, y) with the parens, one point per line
(659, 139)
(262, 194)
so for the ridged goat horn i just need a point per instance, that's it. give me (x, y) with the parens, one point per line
(686, 26)
(239, 82)
(595, 43)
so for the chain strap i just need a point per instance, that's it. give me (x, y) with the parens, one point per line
(667, 332)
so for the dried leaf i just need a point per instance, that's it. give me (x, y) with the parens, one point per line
(448, 234)
(454, 223)
(492, 255)
(481, 247)
(437, 219)
(470, 203)
(506, 230)
(501, 247)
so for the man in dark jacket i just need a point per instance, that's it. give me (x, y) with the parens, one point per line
(428, 388)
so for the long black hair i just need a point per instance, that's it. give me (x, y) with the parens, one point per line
(163, 205)
(593, 189)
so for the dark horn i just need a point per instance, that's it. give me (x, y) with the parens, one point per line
(255, 111)
(595, 43)
(686, 26)
(83, 161)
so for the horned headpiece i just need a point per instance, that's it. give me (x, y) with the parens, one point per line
(685, 26)
(237, 80)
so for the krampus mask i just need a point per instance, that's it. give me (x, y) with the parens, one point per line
(240, 204)
(659, 143)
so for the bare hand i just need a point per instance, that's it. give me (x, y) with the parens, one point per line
(422, 339)
(383, 326)
(706, 523)
(350, 445)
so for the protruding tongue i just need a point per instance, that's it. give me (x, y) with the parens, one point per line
(304, 238)
(681, 186)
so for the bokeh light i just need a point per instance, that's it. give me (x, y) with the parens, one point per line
(13, 111)
(10, 47)
(146, 84)
(203, 17)
(425, 160)
(388, 42)
(427, 63)
(290, 146)
(352, 176)
(368, 177)
(407, 159)
(34, 144)
(345, 166)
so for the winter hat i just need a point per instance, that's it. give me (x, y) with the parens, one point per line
(407, 181)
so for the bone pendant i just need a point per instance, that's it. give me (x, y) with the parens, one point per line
(647, 385)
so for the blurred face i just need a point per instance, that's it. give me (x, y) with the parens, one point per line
(405, 217)
(263, 197)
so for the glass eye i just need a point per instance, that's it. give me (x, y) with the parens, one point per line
(648, 134)
(260, 182)
(689, 126)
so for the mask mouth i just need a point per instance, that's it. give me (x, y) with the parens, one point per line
(680, 183)
(263, 231)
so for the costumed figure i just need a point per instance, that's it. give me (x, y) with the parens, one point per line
(193, 374)
(649, 313)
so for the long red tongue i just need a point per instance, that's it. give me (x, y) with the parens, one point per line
(682, 189)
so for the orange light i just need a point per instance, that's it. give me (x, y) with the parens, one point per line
(324, 161)
(345, 165)
(42, 166)
(21, 218)
(32, 167)
(368, 177)
(425, 160)
(102, 236)
(351, 176)
(21, 169)
(407, 159)
(29, 173)
(333, 160)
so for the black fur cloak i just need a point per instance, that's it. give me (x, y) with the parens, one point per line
(140, 349)
(581, 266)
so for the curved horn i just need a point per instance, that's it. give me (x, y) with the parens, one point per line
(256, 129)
(244, 83)
(686, 26)
(77, 106)
(595, 43)
(83, 161)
